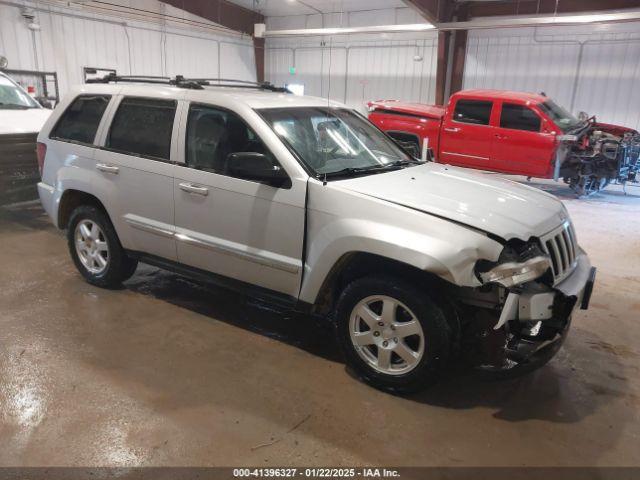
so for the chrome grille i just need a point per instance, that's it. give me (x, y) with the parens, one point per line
(561, 246)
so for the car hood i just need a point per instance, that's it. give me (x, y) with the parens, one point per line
(23, 121)
(482, 201)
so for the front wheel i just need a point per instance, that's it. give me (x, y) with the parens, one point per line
(393, 336)
(96, 250)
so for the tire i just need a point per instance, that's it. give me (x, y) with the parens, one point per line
(429, 347)
(86, 244)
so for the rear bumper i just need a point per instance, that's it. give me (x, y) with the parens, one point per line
(47, 195)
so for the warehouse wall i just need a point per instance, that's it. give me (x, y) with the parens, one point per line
(591, 68)
(72, 38)
(355, 68)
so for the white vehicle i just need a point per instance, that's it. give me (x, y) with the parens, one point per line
(21, 118)
(19, 113)
(308, 205)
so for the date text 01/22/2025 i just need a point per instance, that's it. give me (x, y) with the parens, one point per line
(316, 473)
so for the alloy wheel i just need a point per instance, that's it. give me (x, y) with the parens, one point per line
(386, 334)
(91, 246)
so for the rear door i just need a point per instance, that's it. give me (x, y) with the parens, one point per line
(134, 173)
(467, 134)
(521, 146)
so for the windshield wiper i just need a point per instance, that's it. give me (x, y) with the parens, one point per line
(397, 165)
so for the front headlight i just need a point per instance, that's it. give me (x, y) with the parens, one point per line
(516, 273)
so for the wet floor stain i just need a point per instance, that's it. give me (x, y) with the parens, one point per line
(617, 350)
(168, 371)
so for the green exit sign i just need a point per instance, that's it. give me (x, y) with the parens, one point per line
(292, 70)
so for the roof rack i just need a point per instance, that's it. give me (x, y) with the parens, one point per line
(191, 83)
(230, 82)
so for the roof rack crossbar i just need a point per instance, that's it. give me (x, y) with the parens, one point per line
(156, 80)
(192, 83)
(230, 82)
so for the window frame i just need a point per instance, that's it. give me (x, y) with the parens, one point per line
(492, 104)
(112, 119)
(185, 149)
(414, 136)
(512, 104)
(105, 113)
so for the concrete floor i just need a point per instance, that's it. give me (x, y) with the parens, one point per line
(169, 372)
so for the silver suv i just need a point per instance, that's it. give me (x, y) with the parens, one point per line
(305, 203)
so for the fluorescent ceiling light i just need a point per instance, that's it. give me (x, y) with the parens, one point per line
(414, 27)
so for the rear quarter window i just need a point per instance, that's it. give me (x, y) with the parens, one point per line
(79, 123)
(477, 112)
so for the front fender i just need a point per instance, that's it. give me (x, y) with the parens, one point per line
(432, 244)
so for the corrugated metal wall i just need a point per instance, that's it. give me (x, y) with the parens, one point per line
(355, 73)
(355, 69)
(591, 68)
(71, 39)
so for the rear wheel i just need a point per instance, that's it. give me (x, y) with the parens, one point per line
(393, 336)
(95, 248)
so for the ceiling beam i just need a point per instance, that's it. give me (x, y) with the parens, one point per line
(221, 12)
(428, 9)
(231, 16)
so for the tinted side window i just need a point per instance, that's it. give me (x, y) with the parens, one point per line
(143, 126)
(79, 123)
(213, 135)
(473, 111)
(519, 117)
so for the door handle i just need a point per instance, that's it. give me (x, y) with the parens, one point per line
(500, 137)
(103, 167)
(191, 188)
(452, 129)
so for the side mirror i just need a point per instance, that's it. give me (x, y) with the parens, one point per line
(257, 167)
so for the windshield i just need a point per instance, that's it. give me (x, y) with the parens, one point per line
(13, 97)
(333, 141)
(563, 119)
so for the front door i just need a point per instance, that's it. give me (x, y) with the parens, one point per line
(520, 145)
(235, 227)
(467, 135)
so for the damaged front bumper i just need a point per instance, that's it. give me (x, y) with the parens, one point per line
(533, 303)
(535, 319)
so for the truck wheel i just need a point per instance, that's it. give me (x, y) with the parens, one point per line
(393, 336)
(96, 250)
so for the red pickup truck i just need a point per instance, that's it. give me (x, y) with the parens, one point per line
(516, 133)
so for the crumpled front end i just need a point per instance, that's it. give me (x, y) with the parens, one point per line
(597, 155)
(508, 325)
